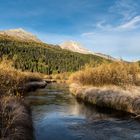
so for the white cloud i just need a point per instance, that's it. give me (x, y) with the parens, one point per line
(126, 8)
(127, 12)
(87, 34)
(132, 24)
(117, 45)
(103, 26)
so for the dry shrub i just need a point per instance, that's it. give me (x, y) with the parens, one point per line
(15, 116)
(48, 77)
(116, 73)
(15, 119)
(62, 76)
(11, 79)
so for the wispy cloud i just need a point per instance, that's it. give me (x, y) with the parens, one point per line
(103, 26)
(126, 8)
(126, 14)
(132, 24)
(119, 13)
(107, 26)
(87, 34)
(118, 45)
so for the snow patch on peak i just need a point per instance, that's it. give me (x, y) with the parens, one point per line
(74, 46)
(77, 47)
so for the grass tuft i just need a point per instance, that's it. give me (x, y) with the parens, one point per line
(11, 79)
(117, 73)
(15, 115)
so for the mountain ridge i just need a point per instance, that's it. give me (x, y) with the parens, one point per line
(74, 46)
(20, 34)
(77, 47)
(25, 36)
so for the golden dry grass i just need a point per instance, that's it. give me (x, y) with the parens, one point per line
(15, 117)
(59, 78)
(109, 96)
(117, 73)
(11, 79)
(102, 86)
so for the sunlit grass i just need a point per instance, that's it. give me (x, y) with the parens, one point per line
(15, 119)
(11, 79)
(117, 73)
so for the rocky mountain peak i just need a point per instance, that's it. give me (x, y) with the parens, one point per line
(20, 34)
(74, 46)
(77, 47)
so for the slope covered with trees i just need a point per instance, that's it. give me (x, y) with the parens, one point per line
(41, 57)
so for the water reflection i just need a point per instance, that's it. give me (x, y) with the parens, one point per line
(58, 115)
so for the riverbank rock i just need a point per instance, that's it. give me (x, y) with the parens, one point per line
(112, 97)
(32, 86)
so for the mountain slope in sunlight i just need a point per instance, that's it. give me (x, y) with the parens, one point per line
(20, 34)
(30, 54)
(77, 47)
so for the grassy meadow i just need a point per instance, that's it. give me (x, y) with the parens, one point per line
(116, 73)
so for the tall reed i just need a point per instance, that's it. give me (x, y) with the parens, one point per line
(116, 73)
(11, 79)
(15, 115)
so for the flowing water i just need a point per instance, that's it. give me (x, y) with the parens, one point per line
(57, 115)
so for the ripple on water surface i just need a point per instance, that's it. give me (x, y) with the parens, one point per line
(57, 115)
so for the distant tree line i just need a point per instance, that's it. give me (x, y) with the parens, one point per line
(44, 58)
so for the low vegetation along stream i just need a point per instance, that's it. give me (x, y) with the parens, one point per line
(58, 115)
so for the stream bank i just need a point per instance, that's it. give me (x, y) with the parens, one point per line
(57, 114)
(111, 97)
(16, 117)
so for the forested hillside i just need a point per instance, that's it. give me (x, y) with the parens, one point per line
(41, 57)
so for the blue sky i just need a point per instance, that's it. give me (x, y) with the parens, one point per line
(106, 26)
